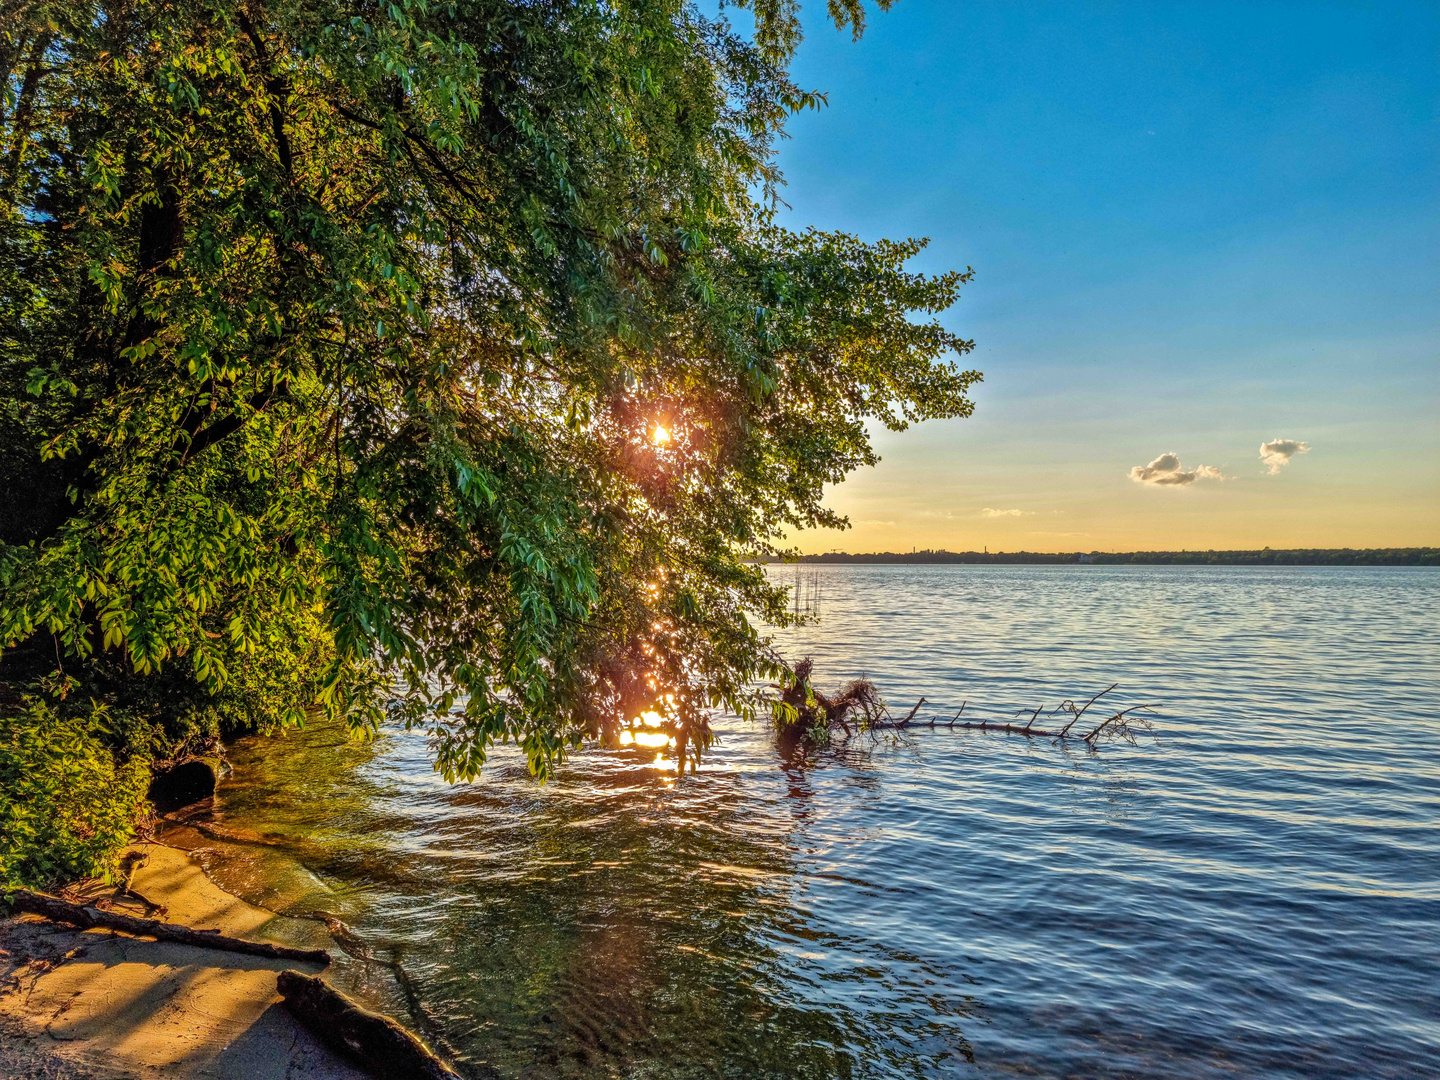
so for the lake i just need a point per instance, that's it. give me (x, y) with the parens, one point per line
(1255, 893)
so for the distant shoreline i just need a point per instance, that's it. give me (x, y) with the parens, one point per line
(1417, 556)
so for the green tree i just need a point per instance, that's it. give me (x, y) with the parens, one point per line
(443, 358)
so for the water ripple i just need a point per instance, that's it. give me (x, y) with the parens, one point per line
(1256, 894)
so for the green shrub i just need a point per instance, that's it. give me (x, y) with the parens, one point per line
(67, 805)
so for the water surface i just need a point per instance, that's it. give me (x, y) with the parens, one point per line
(1258, 893)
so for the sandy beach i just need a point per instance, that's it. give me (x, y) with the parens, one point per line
(80, 1004)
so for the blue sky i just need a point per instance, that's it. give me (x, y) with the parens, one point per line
(1196, 228)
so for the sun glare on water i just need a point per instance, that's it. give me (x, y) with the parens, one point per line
(641, 737)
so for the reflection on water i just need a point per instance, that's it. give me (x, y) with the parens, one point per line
(1255, 895)
(608, 922)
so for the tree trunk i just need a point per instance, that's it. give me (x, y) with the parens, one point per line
(376, 1042)
(87, 917)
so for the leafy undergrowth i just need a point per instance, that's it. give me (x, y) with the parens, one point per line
(68, 804)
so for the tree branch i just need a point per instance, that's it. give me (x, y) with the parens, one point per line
(277, 89)
(25, 105)
(193, 442)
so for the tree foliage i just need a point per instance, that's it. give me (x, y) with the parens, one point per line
(443, 358)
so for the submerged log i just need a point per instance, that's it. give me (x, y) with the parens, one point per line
(87, 917)
(376, 1042)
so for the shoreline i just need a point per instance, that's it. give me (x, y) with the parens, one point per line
(1263, 557)
(94, 1005)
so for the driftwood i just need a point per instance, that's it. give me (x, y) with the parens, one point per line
(858, 702)
(934, 721)
(1122, 724)
(377, 1042)
(87, 916)
(129, 863)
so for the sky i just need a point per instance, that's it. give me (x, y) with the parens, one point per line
(1196, 229)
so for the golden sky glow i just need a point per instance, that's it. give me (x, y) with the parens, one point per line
(1003, 481)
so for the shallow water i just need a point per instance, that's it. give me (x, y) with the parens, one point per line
(1257, 893)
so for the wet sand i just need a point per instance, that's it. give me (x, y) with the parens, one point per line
(94, 1004)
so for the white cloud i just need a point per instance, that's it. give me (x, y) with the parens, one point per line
(872, 521)
(1166, 471)
(1278, 452)
(991, 512)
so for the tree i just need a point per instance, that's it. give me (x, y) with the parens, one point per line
(437, 358)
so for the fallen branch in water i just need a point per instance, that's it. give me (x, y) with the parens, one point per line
(88, 916)
(815, 713)
(377, 1042)
(1123, 724)
(934, 721)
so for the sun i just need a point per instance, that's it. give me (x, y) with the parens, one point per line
(646, 734)
(660, 436)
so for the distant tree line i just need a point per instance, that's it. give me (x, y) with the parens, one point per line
(1415, 556)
